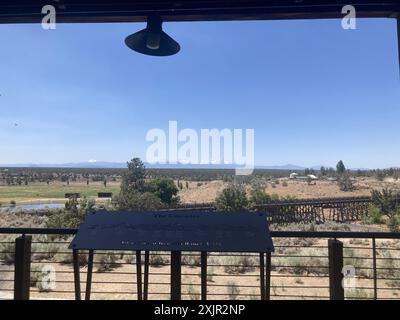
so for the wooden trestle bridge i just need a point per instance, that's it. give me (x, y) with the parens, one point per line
(317, 210)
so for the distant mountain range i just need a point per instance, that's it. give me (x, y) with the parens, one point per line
(89, 164)
(122, 165)
(103, 164)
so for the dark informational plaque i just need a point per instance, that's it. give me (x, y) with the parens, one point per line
(175, 231)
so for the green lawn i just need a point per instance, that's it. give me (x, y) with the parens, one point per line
(50, 192)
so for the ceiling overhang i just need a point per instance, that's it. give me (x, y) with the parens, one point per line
(77, 11)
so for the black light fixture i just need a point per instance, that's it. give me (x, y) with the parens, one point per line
(152, 40)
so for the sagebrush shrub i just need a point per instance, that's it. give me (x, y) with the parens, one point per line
(158, 260)
(7, 253)
(191, 259)
(239, 264)
(44, 251)
(193, 293)
(233, 290)
(106, 261)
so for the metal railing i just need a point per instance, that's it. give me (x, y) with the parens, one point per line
(305, 265)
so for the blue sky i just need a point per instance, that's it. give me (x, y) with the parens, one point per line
(313, 92)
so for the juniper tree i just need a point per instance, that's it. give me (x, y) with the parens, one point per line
(134, 178)
(340, 168)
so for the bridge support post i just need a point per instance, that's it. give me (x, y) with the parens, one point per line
(335, 253)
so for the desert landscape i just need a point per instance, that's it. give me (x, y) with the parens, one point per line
(208, 191)
(192, 191)
(298, 264)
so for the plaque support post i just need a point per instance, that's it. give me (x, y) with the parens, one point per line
(204, 275)
(176, 275)
(77, 281)
(268, 277)
(139, 274)
(146, 275)
(265, 276)
(262, 277)
(89, 275)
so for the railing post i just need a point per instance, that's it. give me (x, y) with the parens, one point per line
(146, 275)
(335, 250)
(139, 274)
(77, 279)
(375, 270)
(22, 271)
